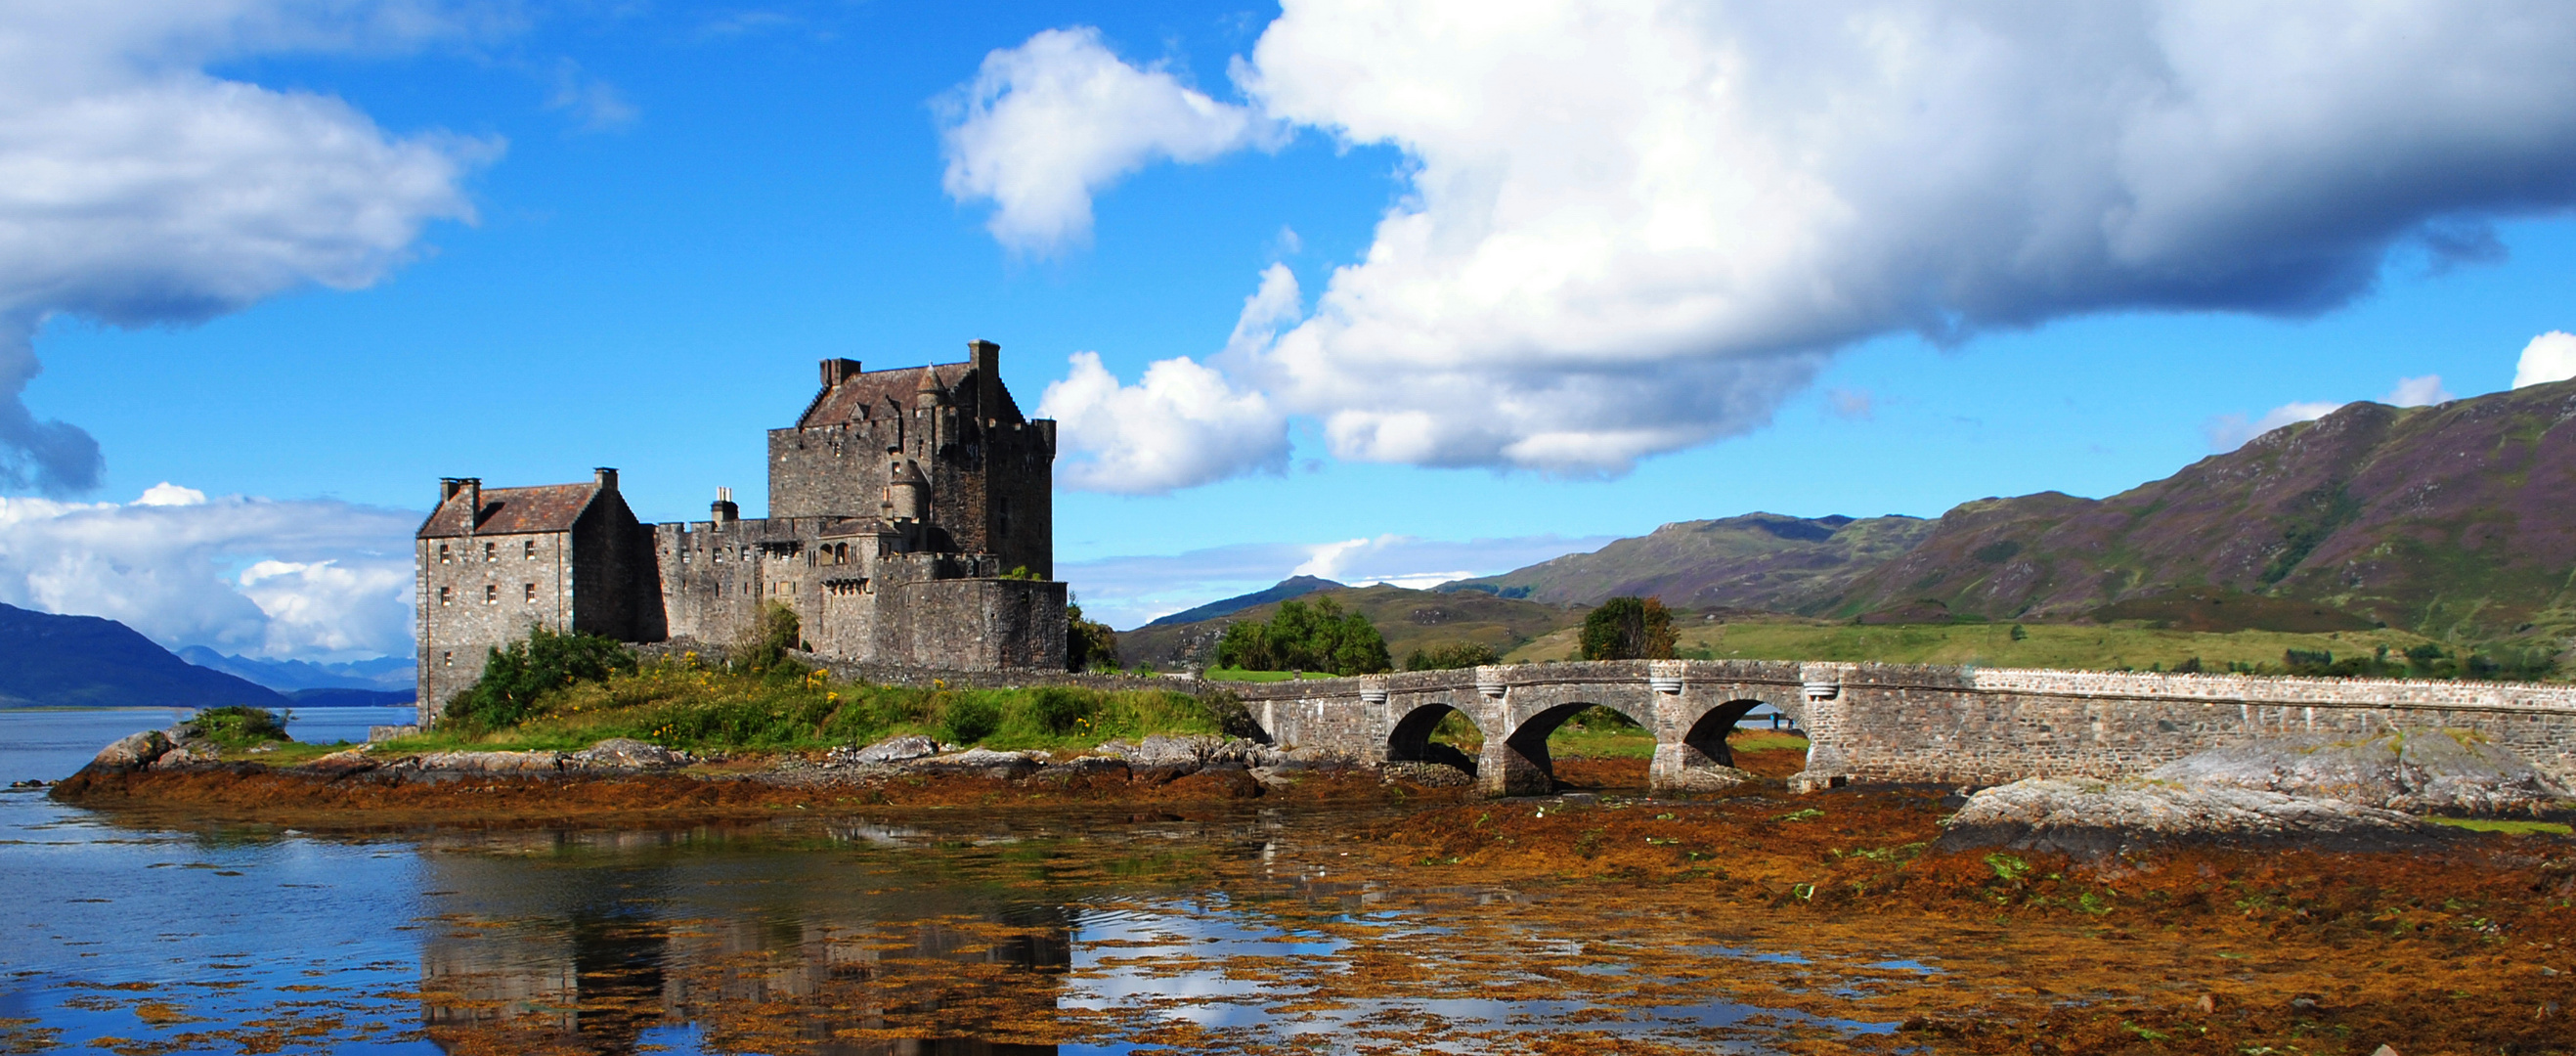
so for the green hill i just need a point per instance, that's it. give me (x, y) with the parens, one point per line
(2449, 520)
(1410, 619)
(1756, 561)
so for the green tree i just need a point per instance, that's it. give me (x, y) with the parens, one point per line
(1088, 644)
(1303, 637)
(1629, 629)
(1450, 656)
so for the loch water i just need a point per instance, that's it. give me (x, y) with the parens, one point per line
(925, 931)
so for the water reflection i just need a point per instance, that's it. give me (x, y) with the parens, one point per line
(587, 941)
(931, 932)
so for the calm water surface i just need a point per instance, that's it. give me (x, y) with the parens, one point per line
(917, 932)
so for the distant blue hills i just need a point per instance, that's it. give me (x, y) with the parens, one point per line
(1292, 587)
(48, 660)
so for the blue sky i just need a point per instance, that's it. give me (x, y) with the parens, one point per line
(675, 210)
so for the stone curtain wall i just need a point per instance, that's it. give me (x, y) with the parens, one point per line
(1902, 723)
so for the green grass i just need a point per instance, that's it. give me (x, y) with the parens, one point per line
(2067, 646)
(1236, 674)
(2515, 828)
(690, 707)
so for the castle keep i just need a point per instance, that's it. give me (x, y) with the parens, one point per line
(911, 522)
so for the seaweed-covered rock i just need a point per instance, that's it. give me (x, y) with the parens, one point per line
(1084, 768)
(494, 763)
(1428, 775)
(133, 752)
(2085, 817)
(627, 753)
(2416, 770)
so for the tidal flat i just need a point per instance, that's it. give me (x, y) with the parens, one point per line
(1757, 922)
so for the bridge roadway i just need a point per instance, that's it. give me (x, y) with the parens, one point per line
(1888, 722)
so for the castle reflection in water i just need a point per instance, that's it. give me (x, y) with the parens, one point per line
(601, 942)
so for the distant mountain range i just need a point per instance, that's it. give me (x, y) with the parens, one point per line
(85, 661)
(1756, 561)
(1293, 586)
(2451, 521)
(384, 673)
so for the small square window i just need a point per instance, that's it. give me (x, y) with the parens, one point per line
(442, 553)
(491, 594)
(491, 551)
(444, 593)
(531, 553)
(532, 592)
(446, 659)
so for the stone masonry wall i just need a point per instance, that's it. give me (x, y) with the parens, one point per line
(1915, 723)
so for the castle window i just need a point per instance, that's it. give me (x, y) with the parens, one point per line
(446, 659)
(532, 592)
(491, 551)
(531, 553)
(491, 594)
(442, 553)
(444, 593)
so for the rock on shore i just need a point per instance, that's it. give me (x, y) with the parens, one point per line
(2414, 770)
(2087, 818)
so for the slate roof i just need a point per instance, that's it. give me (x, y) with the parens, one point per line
(885, 390)
(854, 526)
(544, 508)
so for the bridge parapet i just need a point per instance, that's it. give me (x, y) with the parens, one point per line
(1893, 722)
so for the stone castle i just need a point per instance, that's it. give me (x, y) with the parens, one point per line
(911, 523)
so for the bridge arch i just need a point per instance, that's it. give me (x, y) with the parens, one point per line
(1409, 741)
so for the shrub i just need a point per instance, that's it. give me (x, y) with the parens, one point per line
(1452, 655)
(969, 719)
(1058, 711)
(764, 646)
(238, 726)
(1629, 629)
(514, 677)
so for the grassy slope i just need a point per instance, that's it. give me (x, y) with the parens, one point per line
(2058, 646)
(682, 707)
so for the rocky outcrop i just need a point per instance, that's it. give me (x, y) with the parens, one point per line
(2084, 817)
(626, 754)
(904, 748)
(977, 762)
(2419, 771)
(133, 752)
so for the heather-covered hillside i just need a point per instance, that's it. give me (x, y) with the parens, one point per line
(2452, 519)
(1755, 561)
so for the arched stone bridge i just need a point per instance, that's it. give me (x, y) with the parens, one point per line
(1888, 722)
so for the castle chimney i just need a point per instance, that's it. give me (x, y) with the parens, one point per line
(987, 358)
(836, 371)
(723, 511)
(448, 487)
(605, 477)
(473, 487)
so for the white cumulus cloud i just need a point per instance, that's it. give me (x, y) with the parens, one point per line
(1046, 124)
(1181, 425)
(2549, 357)
(2418, 392)
(137, 189)
(313, 580)
(1629, 229)
(2227, 432)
